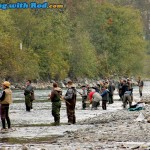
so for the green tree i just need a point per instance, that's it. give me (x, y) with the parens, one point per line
(14, 62)
(117, 34)
(83, 59)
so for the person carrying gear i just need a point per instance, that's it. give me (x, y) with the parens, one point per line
(28, 95)
(70, 98)
(5, 101)
(56, 103)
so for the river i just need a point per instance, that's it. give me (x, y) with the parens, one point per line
(43, 94)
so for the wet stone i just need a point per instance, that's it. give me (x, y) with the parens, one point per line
(25, 148)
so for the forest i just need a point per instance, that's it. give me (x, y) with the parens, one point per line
(92, 38)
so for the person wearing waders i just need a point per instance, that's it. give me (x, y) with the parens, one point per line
(105, 97)
(70, 98)
(126, 94)
(129, 83)
(140, 84)
(111, 89)
(84, 96)
(5, 101)
(55, 98)
(120, 84)
(28, 95)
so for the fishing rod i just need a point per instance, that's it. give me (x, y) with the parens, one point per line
(65, 100)
(78, 92)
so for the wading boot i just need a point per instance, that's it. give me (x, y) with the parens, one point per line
(57, 123)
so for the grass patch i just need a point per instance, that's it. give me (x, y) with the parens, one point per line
(51, 139)
(38, 125)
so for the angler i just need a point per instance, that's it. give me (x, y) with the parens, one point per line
(70, 98)
(55, 98)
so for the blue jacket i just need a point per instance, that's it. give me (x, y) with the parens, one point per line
(105, 95)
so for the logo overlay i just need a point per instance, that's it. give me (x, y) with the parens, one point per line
(32, 5)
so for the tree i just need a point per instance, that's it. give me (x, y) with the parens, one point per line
(83, 59)
(117, 34)
(14, 62)
(85, 39)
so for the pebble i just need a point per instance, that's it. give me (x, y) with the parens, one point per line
(25, 148)
(115, 127)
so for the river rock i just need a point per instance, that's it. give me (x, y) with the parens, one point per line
(148, 119)
(25, 148)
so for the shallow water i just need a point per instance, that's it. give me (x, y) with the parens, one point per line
(43, 94)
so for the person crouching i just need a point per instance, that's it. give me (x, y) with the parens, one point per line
(96, 100)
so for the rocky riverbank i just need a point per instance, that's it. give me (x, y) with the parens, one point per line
(117, 130)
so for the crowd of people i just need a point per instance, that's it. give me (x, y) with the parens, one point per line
(102, 92)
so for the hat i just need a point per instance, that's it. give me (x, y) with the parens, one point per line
(6, 83)
(69, 81)
(58, 89)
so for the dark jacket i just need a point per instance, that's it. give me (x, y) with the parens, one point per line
(55, 96)
(70, 94)
(111, 89)
(120, 88)
(125, 88)
(28, 90)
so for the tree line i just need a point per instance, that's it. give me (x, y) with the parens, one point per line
(84, 39)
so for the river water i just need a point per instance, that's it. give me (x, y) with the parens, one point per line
(43, 94)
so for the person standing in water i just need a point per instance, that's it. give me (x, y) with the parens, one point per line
(140, 84)
(56, 103)
(70, 98)
(28, 95)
